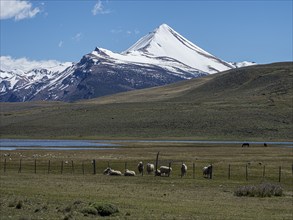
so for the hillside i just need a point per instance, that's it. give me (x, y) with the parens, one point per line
(262, 81)
(251, 103)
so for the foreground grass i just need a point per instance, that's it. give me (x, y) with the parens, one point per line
(56, 196)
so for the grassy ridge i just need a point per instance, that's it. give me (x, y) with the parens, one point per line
(253, 103)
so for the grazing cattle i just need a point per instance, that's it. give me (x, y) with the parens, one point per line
(112, 172)
(164, 170)
(245, 145)
(207, 171)
(265, 145)
(150, 168)
(183, 169)
(129, 173)
(140, 167)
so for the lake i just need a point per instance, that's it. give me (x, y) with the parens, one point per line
(32, 144)
(29, 144)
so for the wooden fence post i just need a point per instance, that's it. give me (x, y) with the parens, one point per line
(229, 171)
(82, 165)
(181, 170)
(169, 169)
(142, 170)
(49, 166)
(62, 167)
(19, 169)
(5, 165)
(246, 172)
(157, 160)
(72, 167)
(193, 170)
(125, 166)
(280, 172)
(35, 166)
(211, 174)
(94, 166)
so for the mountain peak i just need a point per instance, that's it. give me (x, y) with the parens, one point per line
(166, 42)
(142, 44)
(164, 27)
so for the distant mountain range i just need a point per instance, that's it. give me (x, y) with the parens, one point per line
(161, 57)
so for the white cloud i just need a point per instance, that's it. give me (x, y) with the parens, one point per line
(60, 44)
(99, 9)
(116, 31)
(17, 9)
(8, 63)
(77, 37)
(127, 32)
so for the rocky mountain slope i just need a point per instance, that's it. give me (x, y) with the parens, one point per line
(159, 58)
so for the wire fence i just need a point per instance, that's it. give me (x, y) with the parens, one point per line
(231, 171)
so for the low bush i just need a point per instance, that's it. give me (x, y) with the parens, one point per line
(100, 209)
(261, 190)
(107, 209)
(89, 210)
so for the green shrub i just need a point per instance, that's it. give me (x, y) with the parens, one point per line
(89, 210)
(67, 208)
(106, 209)
(262, 190)
(100, 209)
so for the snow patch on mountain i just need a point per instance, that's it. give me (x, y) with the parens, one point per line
(243, 64)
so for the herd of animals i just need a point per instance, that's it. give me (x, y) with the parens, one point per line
(163, 170)
(150, 168)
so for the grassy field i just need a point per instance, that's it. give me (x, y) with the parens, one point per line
(27, 195)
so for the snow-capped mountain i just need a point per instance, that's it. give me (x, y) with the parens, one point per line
(25, 77)
(165, 42)
(161, 57)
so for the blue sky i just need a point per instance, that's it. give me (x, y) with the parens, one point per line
(259, 31)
